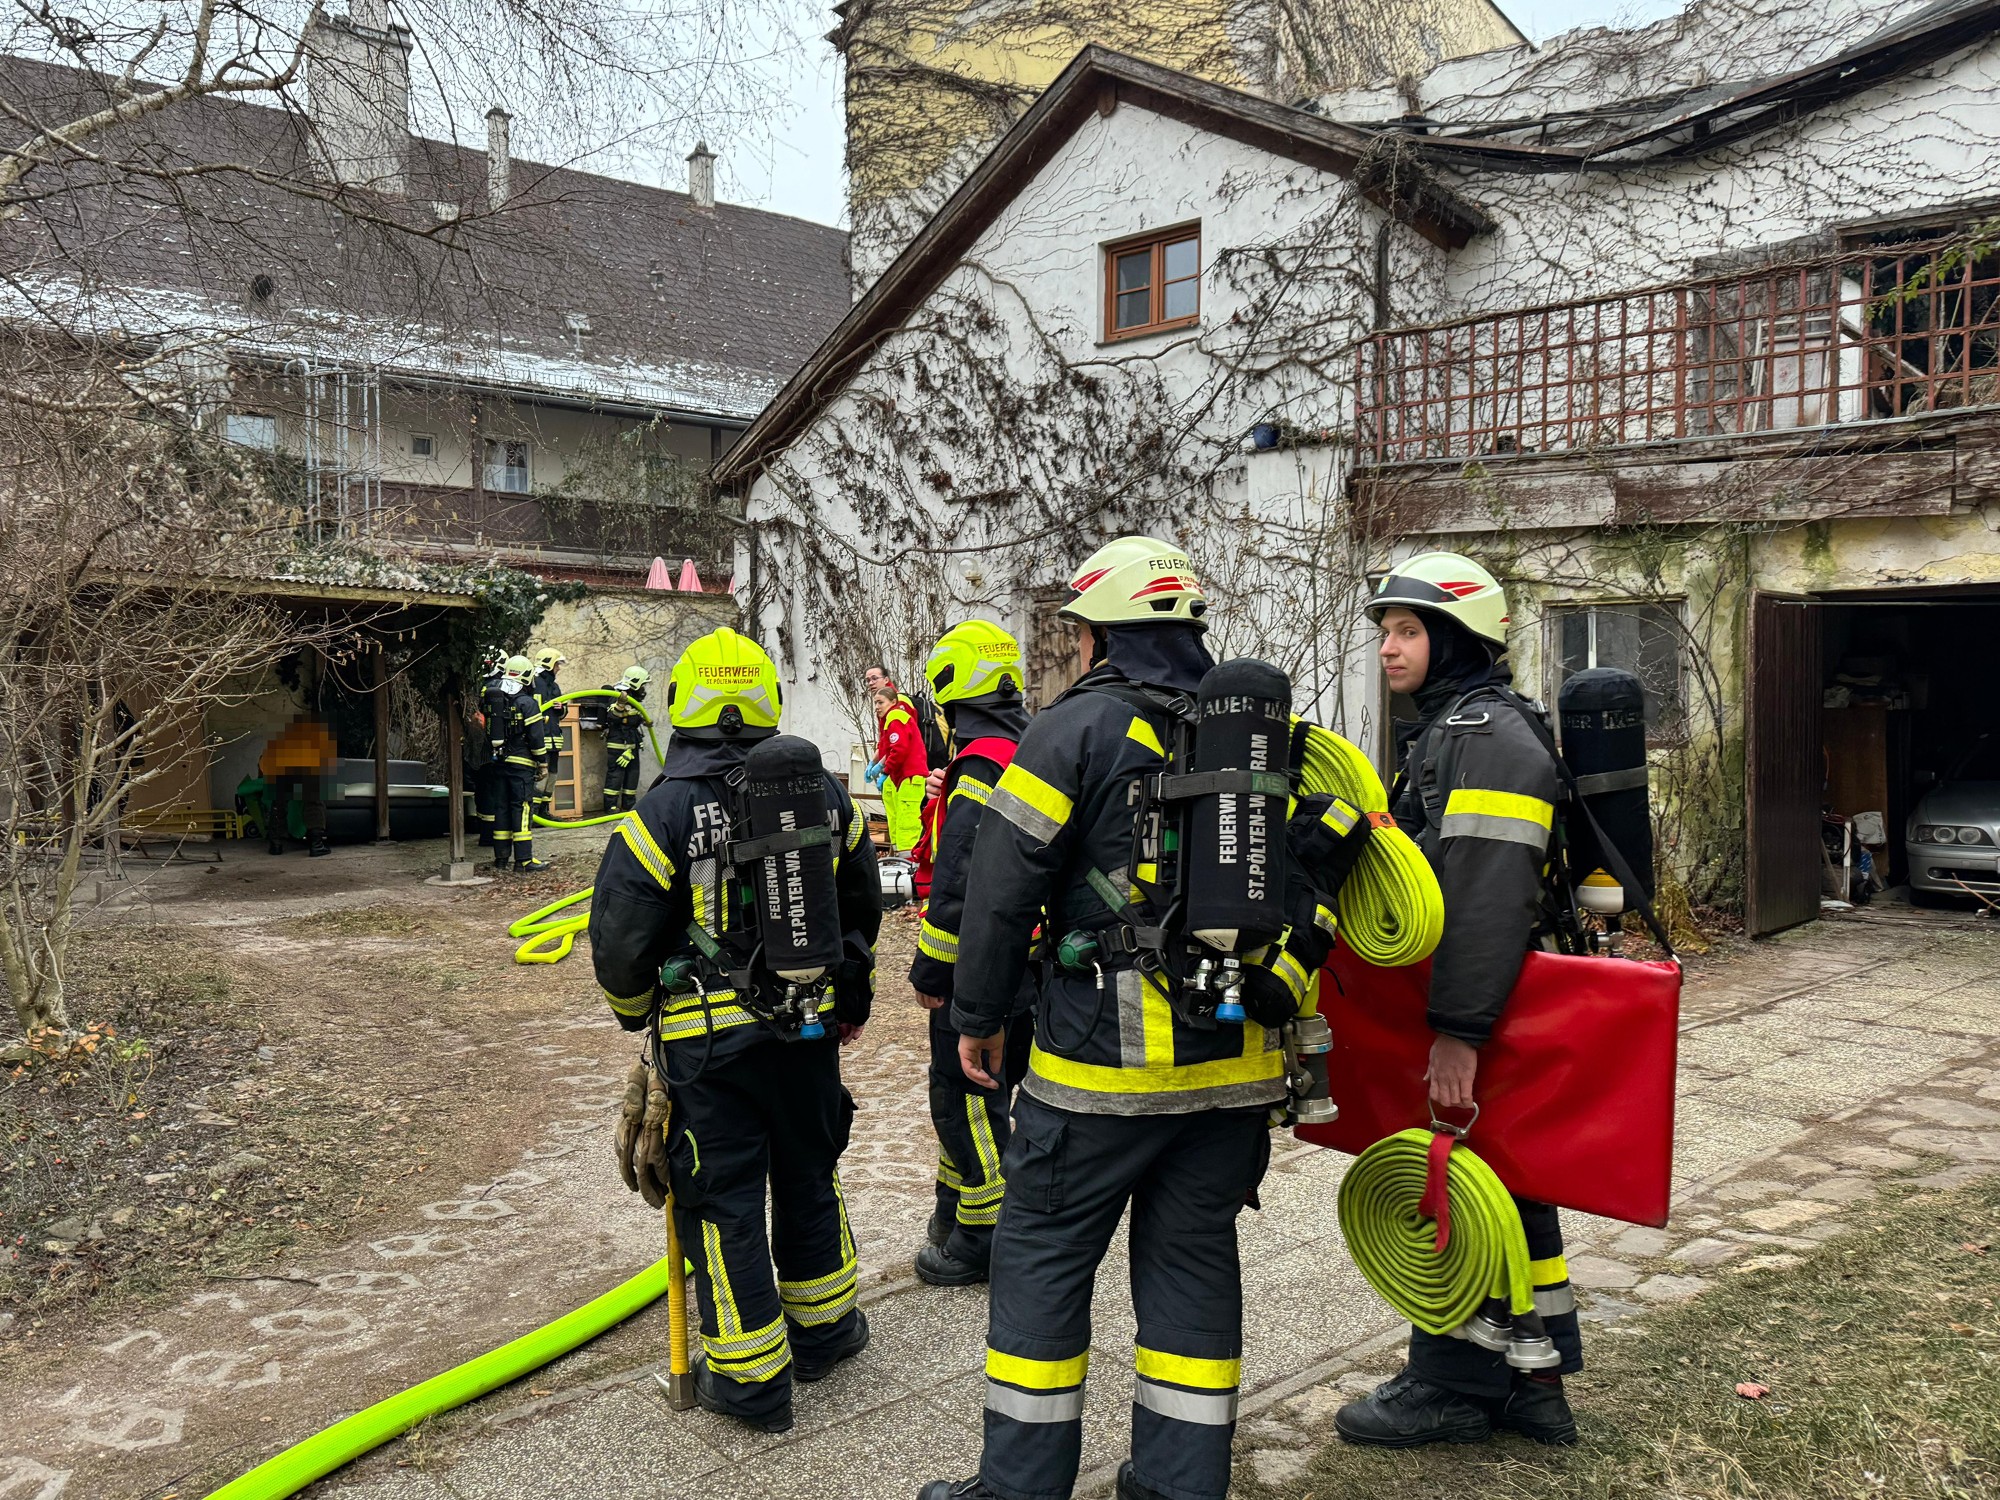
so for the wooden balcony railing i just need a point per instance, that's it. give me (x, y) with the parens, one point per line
(1881, 332)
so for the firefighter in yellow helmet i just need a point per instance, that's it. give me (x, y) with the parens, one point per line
(548, 662)
(745, 1045)
(517, 736)
(1477, 793)
(975, 677)
(1129, 1101)
(624, 723)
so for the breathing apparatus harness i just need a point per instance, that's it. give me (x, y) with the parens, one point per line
(1561, 921)
(777, 940)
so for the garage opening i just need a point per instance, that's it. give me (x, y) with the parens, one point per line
(1909, 730)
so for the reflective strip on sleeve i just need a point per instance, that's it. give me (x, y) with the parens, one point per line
(854, 829)
(1278, 959)
(637, 1005)
(1513, 817)
(935, 942)
(646, 850)
(1341, 817)
(972, 789)
(1031, 804)
(1141, 732)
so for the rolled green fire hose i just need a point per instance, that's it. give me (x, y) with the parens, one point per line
(551, 937)
(299, 1465)
(1391, 910)
(1394, 1243)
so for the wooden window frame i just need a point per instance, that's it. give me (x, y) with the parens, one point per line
(1157, 241)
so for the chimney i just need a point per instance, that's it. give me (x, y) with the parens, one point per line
(499, 159)
(701, 176)
(358, 98)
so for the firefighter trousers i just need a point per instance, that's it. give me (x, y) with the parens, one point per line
(486, 796)
(774, 1113)
(1069, 1179)
(621, 777)
(513, 834)
(1463, 1366)
(972, 1130)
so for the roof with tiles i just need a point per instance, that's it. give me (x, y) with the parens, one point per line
(584, 287)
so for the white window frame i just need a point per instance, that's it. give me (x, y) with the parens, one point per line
(231, 433)
(423, 437)
(1671, 731)
(499, 477)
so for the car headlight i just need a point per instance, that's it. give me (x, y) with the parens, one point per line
(1944, 835)
(1974, 836)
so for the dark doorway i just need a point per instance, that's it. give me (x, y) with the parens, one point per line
(1910, 713)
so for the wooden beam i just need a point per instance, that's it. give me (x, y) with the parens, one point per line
(382, 741)
(454, 766)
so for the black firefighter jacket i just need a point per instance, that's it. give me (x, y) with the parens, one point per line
(546, 690)
(513, 725)
(1112, 1047)
(661, 873)
(968, 785)
(622, 722)
(1478, 795)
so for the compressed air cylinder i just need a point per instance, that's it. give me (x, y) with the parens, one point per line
(1602, 712)
(798, 910)
(1234, 852)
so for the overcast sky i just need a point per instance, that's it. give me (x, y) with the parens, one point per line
(797, 170)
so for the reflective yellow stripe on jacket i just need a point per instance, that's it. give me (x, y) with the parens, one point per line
(1472, 812)
(1030, 804)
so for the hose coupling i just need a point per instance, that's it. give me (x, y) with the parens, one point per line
(1492, 1327)
(1530, 1347)
(1309, 1039)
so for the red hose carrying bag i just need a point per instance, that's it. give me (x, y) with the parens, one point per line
(1575, 1087)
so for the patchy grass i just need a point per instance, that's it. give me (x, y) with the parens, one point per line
(160, 1146)
(1881, 1352)
(380, 920)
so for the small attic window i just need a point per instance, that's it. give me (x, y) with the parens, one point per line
(262, 286)
(656, 278)
(579, 328)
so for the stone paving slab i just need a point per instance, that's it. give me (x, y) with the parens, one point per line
(1813, 1065)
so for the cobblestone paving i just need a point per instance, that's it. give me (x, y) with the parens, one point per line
(1812, 1066)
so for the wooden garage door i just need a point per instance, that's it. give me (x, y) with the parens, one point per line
(1785, 771)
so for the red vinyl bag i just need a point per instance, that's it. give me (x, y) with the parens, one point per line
(1575, 1087)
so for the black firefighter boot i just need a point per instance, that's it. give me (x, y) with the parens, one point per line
(1409, 1412)
(937, 1266)
(316, 844)
(1537, 1408)
(956, 1489)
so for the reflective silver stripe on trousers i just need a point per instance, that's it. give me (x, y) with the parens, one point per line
(1208, 1408)
(1027, 1406)
(1493, 826)
(1550, 1301)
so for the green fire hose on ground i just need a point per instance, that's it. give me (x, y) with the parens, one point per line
(1435, 1263)
(550, 934)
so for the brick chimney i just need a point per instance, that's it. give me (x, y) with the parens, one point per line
(499, 158)
(358, 98)
(701, 176)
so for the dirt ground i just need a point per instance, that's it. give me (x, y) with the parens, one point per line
(359, 1144)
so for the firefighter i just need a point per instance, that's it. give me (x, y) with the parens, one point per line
(548, 661)
(623, 724)
(1125, 1100)
(1477, 792)
(487, 772)
(753, 1091)
(514, 735)
(976, 679)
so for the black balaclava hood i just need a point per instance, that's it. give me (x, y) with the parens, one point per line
(1460, 662)
(1165, 655)
(688, 757)
(1006, 718)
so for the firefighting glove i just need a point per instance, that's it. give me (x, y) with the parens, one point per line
(854, 984)
(641, 1137)
(1278, 977)
(1326, 836)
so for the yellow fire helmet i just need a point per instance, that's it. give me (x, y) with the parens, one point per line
(1133, 581)
(636, 677)
(724, 687)
(974, 660)
(548, 658)
(519, 666)
(1451, 585)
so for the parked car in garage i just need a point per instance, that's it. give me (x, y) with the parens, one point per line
(1953, 844)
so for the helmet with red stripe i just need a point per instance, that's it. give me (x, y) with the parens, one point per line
(1447, 584)
(1136, 580)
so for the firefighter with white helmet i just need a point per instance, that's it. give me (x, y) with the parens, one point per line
(1137, 1093)
(1477, 792)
